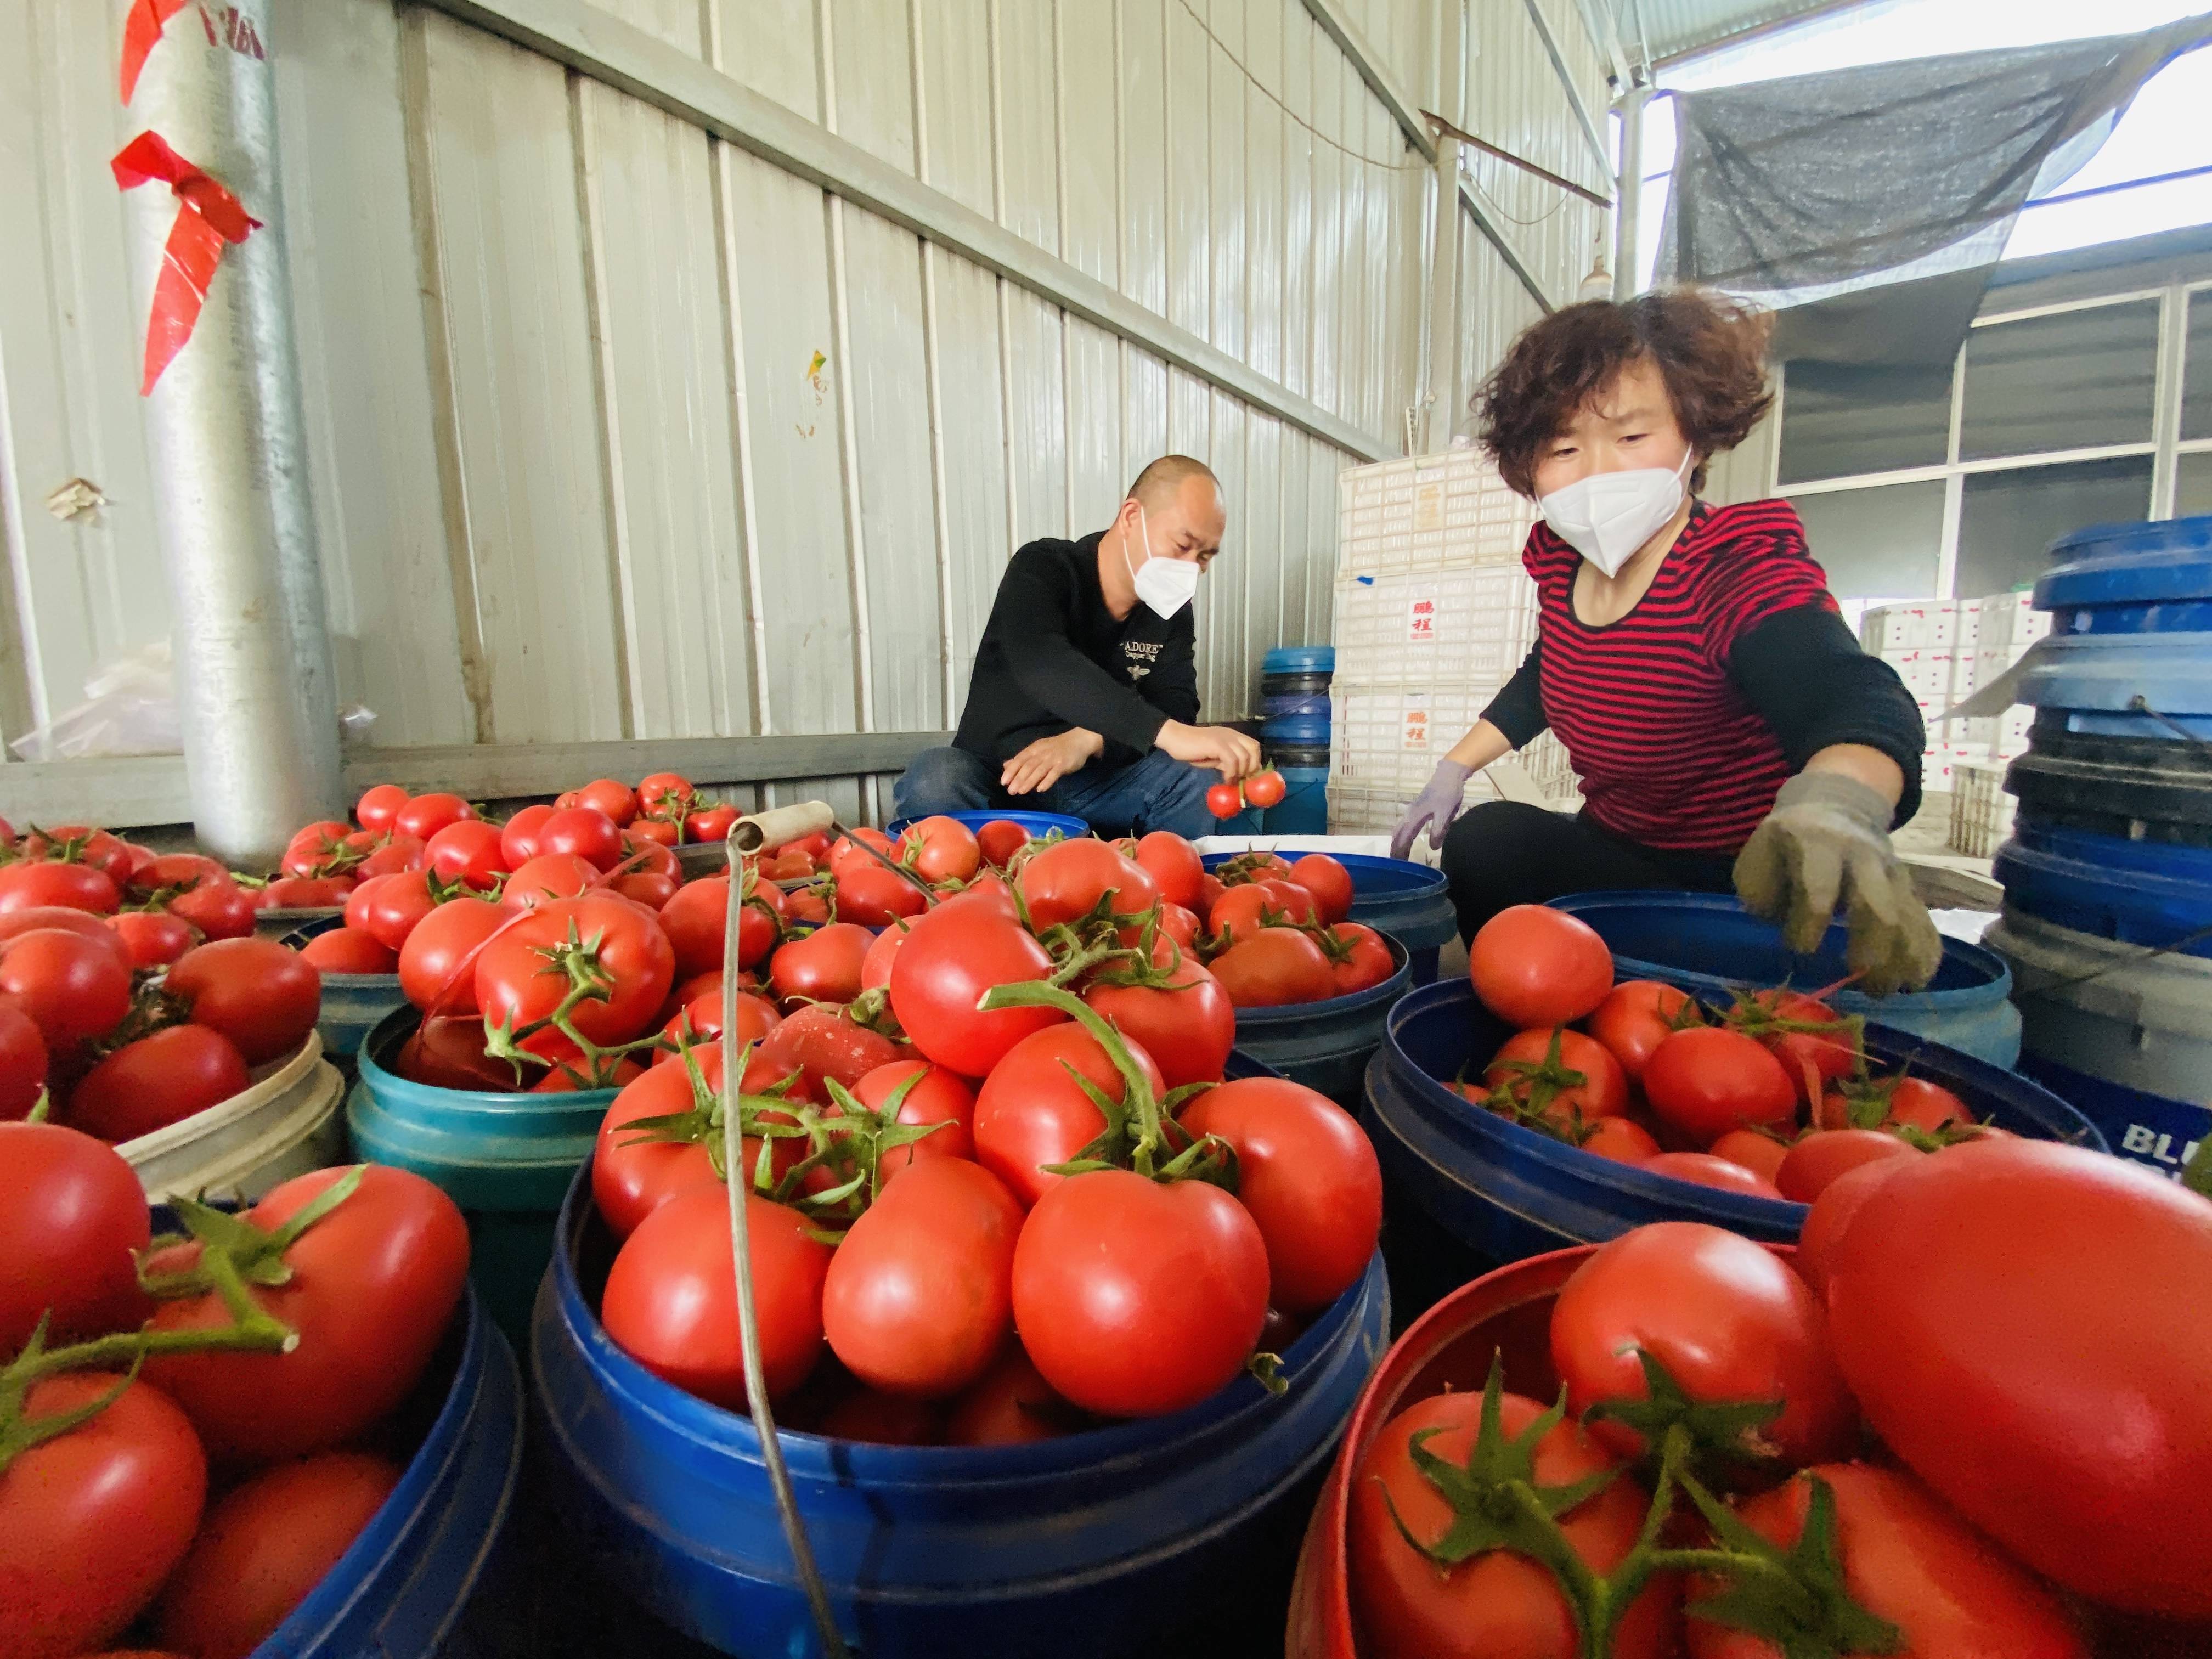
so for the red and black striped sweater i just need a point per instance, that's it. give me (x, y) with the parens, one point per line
(1685, 717)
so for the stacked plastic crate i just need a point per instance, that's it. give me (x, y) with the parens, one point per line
(1433, 614)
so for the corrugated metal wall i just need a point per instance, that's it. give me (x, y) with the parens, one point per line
(620, 431)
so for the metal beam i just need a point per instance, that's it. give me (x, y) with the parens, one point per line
(1552, 49)
(597, 44)
(1494, 228)
(1336, 23)
(151, 789)
(1602, 28)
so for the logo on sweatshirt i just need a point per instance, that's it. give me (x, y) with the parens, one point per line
(1143, 657)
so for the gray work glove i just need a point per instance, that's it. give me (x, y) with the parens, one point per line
(1437, 805)
(1827, 840)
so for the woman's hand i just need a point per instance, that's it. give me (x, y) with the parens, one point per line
(1439, 803)
(1826, 843)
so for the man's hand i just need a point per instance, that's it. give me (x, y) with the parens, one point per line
(1230, 753)
(1049, 760)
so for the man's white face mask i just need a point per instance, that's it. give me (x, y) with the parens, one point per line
(1608, 515)
(1165, 585)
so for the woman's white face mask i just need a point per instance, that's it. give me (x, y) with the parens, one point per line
(1165, 585)
(1607, 516)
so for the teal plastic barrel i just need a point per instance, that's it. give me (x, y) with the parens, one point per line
(506, 1160)
(353, 1003)
(1304, 809)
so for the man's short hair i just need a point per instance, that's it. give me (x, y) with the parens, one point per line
(1157, 484)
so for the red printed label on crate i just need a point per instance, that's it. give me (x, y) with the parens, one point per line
(1421, 618)
(1417, 723)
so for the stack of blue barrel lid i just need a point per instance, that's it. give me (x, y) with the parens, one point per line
(2108, 876)
(1294, 732)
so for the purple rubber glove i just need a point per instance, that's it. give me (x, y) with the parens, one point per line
(1437, 806)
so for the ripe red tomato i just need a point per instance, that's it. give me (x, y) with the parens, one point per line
(156, 1081)
(71, 1212)
(1329, 883)
(304, 893)
(471, 851)
(1067, 880)
(1136, 1299)
(1187, 1024)
(941, 849)
(583, 832)
(155, 938)
(549, 875)
(999, 840)
(954, 955)
(939, 1096)
(1915, 1102)
(1224, 801)
(314, 847)
(1706, 1170)
(447, 1051)
(1987, 1310)
(426, 815)
(1762, 1154)
(397, 853)
(184, 871)
(609, 797)
(847, 849)
(1031, 1112)
(1820, 1158)
(378, 806)
(1533, 965)
(697, 923)
(1275, 966)
(1636, 1016)
(805, 907)
(1832, 1212)
(1179, 925)
(93, 1519)
(632, 1176)
(1293, 900)
(658, 831)
(261, 996)
(661, 793)
(1010, 1405)
(700, 1020)
(393, 908)
(518, 838)
(71, 985)
(220, 909)
(822, 1041)
(1498, 1602)
(1264, 789)
(1174, 866)
(1242, 911)
(1620, 1139)
(1726, 1318)
(95, 929)
(372, 1285)
(822, 966)
(350, 951)
(876, 897)
(1706, 1079)
(22, 1069)
(265, 1543)
(1308, 1175)
(672, 1296)
(1519, 1066)
(875, 965)
(516, 985)
(26, 884)
(1813, 1060)
(712, 824)
(1907, 1557)
(920, 1295)
(437, 966)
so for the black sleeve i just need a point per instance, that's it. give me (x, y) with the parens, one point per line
(1049, 668)
(1806, 676)
(1518, 710)
(1172, 686)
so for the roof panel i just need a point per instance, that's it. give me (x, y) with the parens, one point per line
(1671, 28)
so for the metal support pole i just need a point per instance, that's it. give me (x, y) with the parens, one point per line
(1443, 410)
(255, 689)
(1628, 193)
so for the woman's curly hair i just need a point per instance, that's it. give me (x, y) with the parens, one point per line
(1709, 349)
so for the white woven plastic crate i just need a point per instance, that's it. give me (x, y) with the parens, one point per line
(1390, 737)
(1981, 811)
(1546, 760)
(1430, 627)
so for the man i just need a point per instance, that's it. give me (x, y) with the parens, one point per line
(1085, 684)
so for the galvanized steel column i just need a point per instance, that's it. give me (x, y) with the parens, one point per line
(1628, 195)
(255, 688)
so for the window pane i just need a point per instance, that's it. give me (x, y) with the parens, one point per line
(2192, 486)
(2072, 382)
(1838, 421)
(2196, 374)
(1882, 543)
(2009, 519)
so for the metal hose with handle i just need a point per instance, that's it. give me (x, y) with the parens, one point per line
(748, 835)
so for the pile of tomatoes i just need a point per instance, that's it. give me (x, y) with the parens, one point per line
(993, 1169)
(1772, 1097)
(194, 1427)
(1948, 1425)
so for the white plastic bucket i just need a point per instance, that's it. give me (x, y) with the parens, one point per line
(285, 1123)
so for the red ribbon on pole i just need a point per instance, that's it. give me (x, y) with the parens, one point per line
(142, 32)
(208, 217)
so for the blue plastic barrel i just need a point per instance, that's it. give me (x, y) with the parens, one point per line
(1299, 660)
(1281, 704)
(1396, 896)
(1707, 942)
(1325, 1045)
(1467, 1189)
(1295, 731)
(1039, 824)
(506, 1160)
(1103, 1543)
(2137, 892)
(1304, 809)
(352, 1003)
(403, 1588)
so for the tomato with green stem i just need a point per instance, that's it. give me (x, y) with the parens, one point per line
(1174, 866)
(940, 849)
(264, 998)
(602, 959)
(917, 1093)
(822, 966)
(953, 955)
(1224, 801)
(71, 985)
(1705, 1081)
(1071, 878)
(472, 853)
(1035, 1110)
(26, 885)
(1242, 911)
(659, 793)
(1636, 1016)
(547, 877)
(1179, 1015)
(161, 1079)
(219, 909)
(1559, 1074)
(1329, 883)
(1274, 967)
(437, 967)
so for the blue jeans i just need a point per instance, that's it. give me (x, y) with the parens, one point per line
(1155, 792)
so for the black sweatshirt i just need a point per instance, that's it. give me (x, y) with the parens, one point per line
(1053, 657)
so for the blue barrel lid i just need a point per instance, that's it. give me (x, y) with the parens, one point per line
(2128, 537)
(2130, 564)
(2170, 673)
(1299, 660)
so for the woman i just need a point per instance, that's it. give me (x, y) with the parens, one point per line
(1727, 728)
